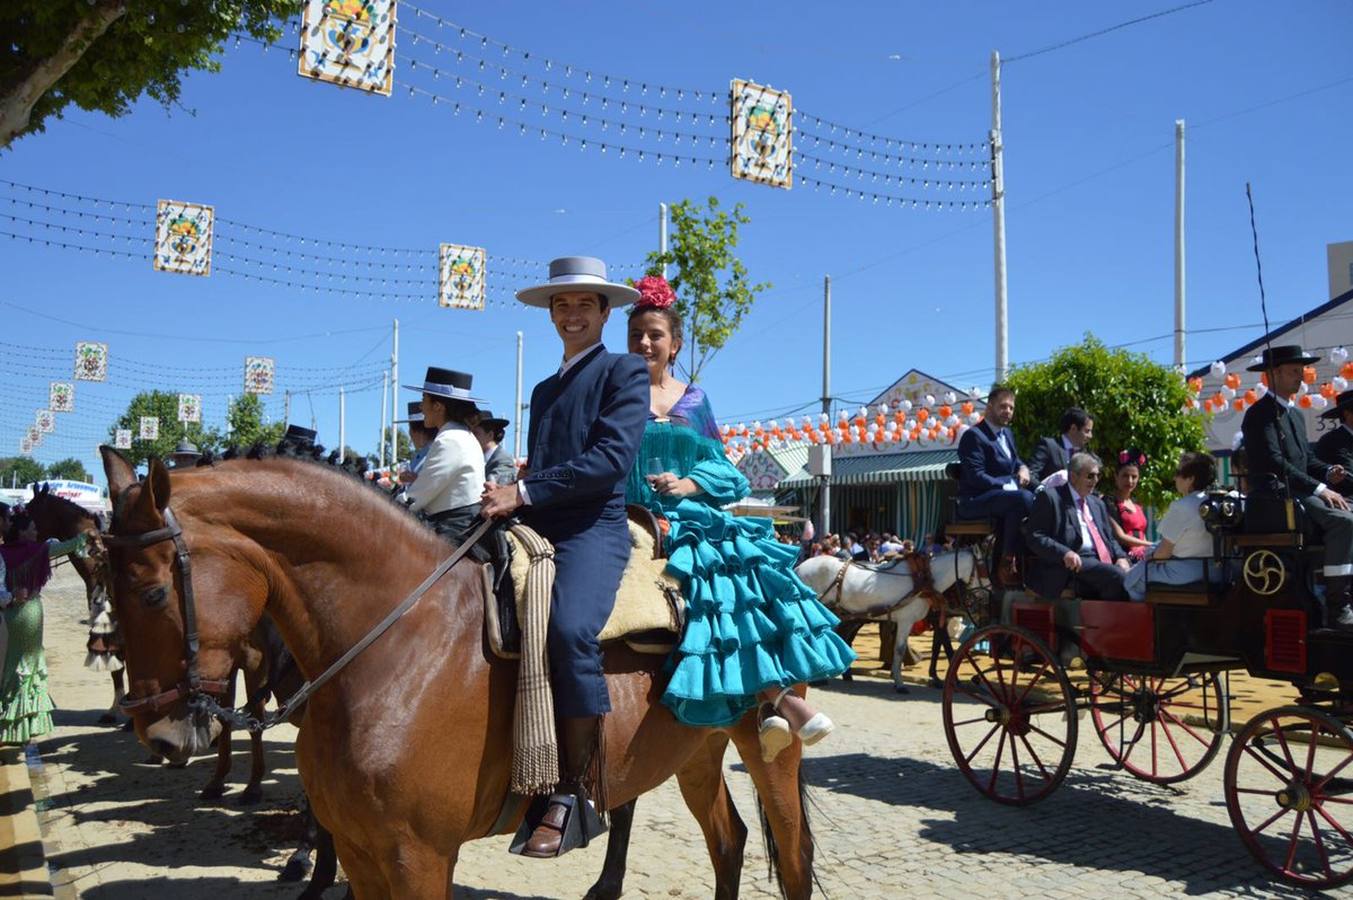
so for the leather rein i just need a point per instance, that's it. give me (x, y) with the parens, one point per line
(201, 692)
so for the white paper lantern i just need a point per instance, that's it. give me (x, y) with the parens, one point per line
(1218, 369)
(1228, 392)
(929, 399)
(883, 409)
(1338, 355)
(974, 418)
(1303, 387)
(974, 393)
(905, 405)
(1319, 402)
(1340, 383)
(1236, 440)
(950, 398)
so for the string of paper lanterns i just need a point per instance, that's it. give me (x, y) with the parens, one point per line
(1232, 395)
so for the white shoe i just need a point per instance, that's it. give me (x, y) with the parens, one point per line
(775, 735)
(815, 729)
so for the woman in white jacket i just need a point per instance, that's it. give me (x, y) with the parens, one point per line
(451, 477)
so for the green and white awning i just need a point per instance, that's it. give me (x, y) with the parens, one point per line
(880, 468)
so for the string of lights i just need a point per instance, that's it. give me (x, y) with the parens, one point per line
(891, 178)
(850, 192)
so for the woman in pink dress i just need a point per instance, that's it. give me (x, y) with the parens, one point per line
(1126, 515)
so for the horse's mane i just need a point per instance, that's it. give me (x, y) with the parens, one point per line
(68, 504)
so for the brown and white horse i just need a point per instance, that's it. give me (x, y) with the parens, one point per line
(405, 753)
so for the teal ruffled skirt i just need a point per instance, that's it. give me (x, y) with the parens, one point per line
(752, 624)
(25, 707)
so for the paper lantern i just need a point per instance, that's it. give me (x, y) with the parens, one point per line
(1218, 399)
(1218, 369)
(929, 399)
(945, 411)
(1327, 391)
(1238, 405)
(1305, 401)
(1308, 375)
(1250, 397)
(922, 414)
(966, 408)
(1196, 385)
(905, 405)
(1232, 380)
(950, 398)
(1261, 389)
(1346, 370)
(1318, 402)
(1338, 355)
(1228, 392)
(1340, 384)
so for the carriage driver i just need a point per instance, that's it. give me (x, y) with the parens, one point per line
(1281, 464)
(587, 421)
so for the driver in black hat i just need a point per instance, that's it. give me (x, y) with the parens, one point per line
(1335, 446)
(1281, 465)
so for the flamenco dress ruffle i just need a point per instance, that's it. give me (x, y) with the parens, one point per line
(25, 707)
(752, 624)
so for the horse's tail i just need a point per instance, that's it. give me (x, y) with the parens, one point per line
(805, 837)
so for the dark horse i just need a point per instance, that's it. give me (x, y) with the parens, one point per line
(327, 558)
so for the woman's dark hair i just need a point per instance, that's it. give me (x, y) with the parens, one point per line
(1131, 457)
(428, 432)
(461, 411)
(1200, 467)
(669, 313)
(18, 525)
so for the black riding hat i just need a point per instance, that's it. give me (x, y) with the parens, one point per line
(1342, 402)
(1282, 355)
(297, 435)
(415, 412)
(487, 420)
(446, 383)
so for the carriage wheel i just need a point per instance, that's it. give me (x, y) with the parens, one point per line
(1009, 717)
(1289, 790)
(1162, 730)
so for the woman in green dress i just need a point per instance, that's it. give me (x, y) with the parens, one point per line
(25, 708)
(754, 630)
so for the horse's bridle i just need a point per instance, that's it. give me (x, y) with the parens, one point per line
(193, 686)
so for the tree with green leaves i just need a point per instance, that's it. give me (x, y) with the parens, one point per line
(102, 55)
(163, 406)
(711, 284)
(405, 447)
(244, 419)
(1134, 401)
(70, 468)
(17, 471)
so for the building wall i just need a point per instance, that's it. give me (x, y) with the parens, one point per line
(1339, 260)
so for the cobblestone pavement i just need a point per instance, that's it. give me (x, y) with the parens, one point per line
(892, 817)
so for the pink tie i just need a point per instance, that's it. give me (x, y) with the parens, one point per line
(1101, 549)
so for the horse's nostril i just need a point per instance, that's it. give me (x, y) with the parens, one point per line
(162, 747)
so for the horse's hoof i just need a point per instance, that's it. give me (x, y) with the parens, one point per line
(249, 796)
(601, 891)
(935, 683)
(296, 869)
(212, 791)
(901, 689)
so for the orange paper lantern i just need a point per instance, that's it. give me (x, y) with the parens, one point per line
(945, 411)
(1308, 375)
(1327, 391)
(922, 414)
(1251, 396)
(1196, 385)
(967, 407)
(1238, 405)
(1305, 401)
(1232, 380)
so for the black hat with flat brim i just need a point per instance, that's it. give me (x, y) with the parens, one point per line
(1282, 355)
(415, 413)
(446, 383)
(1342, 402)
(297, 434)
(488, 420)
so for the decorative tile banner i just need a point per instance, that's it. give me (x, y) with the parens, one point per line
(349, 43)
(150, 428)
(34, 436)
(122, 439)
(25, 446)
(183, 237)
(45, 420)
(762, 126)
(461, 282)
(91, 361)
(61, 396)
(258, 374)
(190, 407)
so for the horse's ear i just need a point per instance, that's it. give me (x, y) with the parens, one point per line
(157, 479)
(121, 474)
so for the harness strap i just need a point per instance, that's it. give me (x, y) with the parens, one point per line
(835, 586)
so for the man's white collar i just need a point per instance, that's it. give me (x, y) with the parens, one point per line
(573, 360)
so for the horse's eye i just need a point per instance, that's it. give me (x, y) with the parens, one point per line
(155, 597)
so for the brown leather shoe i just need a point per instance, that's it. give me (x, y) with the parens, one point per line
(548, 836)
(1009, 571)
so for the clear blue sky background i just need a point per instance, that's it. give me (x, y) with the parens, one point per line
(1089, 164)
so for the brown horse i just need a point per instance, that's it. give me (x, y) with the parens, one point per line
(406, 752)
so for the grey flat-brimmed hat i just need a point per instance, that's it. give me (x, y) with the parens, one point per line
(577, 273)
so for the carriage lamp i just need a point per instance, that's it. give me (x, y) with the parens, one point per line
(1325, 681)
(1221, 510)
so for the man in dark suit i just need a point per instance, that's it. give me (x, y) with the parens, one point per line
(993, 481)
(1335, 446)
(1281, 465)
(1053, 453)
(587, 422)
(1069, 534)
(499, 465)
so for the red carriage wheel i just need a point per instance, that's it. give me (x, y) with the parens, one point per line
(1289, 790)
(1009, 715)
(1163, 730)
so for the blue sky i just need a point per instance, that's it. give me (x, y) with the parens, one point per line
(1089, 169)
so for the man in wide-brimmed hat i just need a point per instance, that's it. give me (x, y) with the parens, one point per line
(1281, 465)
(1336, 444)
(587, 421)
(499, 465)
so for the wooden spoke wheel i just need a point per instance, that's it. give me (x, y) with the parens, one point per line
(1289, 790)
(1009, 715)
(1162, 730)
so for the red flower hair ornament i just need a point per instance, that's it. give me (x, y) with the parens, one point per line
(654, 293)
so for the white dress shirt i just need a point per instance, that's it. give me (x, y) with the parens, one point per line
(452, 474)
(1082, 514)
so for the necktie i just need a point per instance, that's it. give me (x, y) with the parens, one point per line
(1000, 444)
(1101, 548)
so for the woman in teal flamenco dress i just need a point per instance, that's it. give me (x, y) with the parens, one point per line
(25, 567)
(754, 630)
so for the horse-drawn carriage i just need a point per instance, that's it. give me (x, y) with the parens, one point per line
(1157, 690)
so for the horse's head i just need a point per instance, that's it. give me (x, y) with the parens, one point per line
(61, 519)
(185, 601)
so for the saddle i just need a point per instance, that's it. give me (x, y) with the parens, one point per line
(649, 610)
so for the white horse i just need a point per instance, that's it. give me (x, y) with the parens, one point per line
(888, 592)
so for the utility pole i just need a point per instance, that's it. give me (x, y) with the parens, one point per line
(342, 422)
(230, 404)
(286, 408)
(516, 407)
(825, 489)
(394, 399)
(662, 234)
(998, 217)
(385, 390)
(1179, 244)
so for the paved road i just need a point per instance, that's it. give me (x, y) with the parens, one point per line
(893, 817)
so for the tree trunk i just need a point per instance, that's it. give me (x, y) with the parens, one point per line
(18, 98)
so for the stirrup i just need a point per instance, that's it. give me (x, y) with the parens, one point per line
(579, 830)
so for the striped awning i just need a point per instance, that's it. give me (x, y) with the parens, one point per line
(881, 468)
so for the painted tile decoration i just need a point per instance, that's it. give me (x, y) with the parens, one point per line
(91, 361)
(350, 43)
(258, 374)
(461, 281)
(122, 439)
(762, 127)
(183, 237)
(45, 420)
(61, 396)
(190, 407)
(150, 428)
